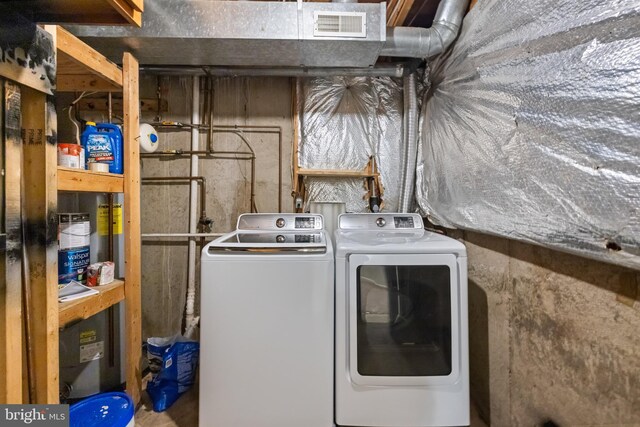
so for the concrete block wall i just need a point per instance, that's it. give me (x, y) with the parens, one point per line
(553, 337)
(165, 208)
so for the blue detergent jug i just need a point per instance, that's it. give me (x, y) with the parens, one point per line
(102, 143)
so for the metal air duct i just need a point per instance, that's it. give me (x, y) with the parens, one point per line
(414, 42)
(247, 34)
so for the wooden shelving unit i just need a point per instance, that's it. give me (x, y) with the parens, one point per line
(84, 308)
(80, 68)
(84, 180)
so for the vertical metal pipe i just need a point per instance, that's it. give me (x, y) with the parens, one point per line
(253, 184)
(280, 171)
(111, 326)
(110, 114)
(110, 230)
(210, 112)
(159, 99)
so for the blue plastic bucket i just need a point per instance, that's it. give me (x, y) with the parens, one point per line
(103, 410)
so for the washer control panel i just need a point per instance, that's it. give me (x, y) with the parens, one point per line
(280, 222)
(380, 221)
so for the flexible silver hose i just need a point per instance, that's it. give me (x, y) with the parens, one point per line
(410, 146)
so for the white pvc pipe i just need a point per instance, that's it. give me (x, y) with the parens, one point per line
(193, 207)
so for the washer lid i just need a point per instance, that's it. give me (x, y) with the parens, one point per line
(270, 242)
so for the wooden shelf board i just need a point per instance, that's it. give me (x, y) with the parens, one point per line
(83, 180)
(84, 82)
(86, 307)
(76, 58)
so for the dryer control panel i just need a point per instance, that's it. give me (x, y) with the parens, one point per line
(380, 221)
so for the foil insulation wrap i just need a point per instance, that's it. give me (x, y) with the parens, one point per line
(344, 121)
(532, 127)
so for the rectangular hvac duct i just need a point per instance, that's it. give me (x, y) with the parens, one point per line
(247, 34)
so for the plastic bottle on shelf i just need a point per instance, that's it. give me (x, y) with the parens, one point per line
(102, 143)
(116, 137)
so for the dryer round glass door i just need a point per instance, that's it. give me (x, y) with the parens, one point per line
(403, 322)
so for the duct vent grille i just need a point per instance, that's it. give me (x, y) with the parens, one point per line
(340, 24)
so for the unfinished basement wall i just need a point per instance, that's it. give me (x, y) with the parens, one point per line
(165, 208)
(553, 336)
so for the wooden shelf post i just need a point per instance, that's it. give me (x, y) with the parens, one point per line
(40, 204)
(132, 239)
(11, 249)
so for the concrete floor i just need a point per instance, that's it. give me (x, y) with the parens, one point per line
(184, 413)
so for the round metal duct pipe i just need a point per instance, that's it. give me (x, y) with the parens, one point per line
(414, 42)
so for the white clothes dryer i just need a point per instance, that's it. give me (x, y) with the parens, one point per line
(267, 321)
(401, 324)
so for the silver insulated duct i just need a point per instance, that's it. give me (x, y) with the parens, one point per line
(247, 34)
(414, 42)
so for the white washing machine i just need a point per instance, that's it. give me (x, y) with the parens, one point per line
(401, 324)
(267, 320)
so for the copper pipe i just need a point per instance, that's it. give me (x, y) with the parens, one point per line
(198, 153)
(111, 330)
(210, 111)
(110, 231)
(254, 129)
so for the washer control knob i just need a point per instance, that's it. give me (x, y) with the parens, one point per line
(280, 222)
(380, 222)
(280, 238)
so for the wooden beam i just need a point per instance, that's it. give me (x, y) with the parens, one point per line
(82, 82)
(84, 180)
(78, 12)
(84, 308)
(137, 4)
(127, 9)
(11, 247)
(147, 105)
(39, 216)
(72, 50)
(27, 54)
(392, 5)
(398, 11)
(132, 239)
(403, 12)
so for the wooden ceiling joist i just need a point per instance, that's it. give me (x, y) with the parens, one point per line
(397, 12)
